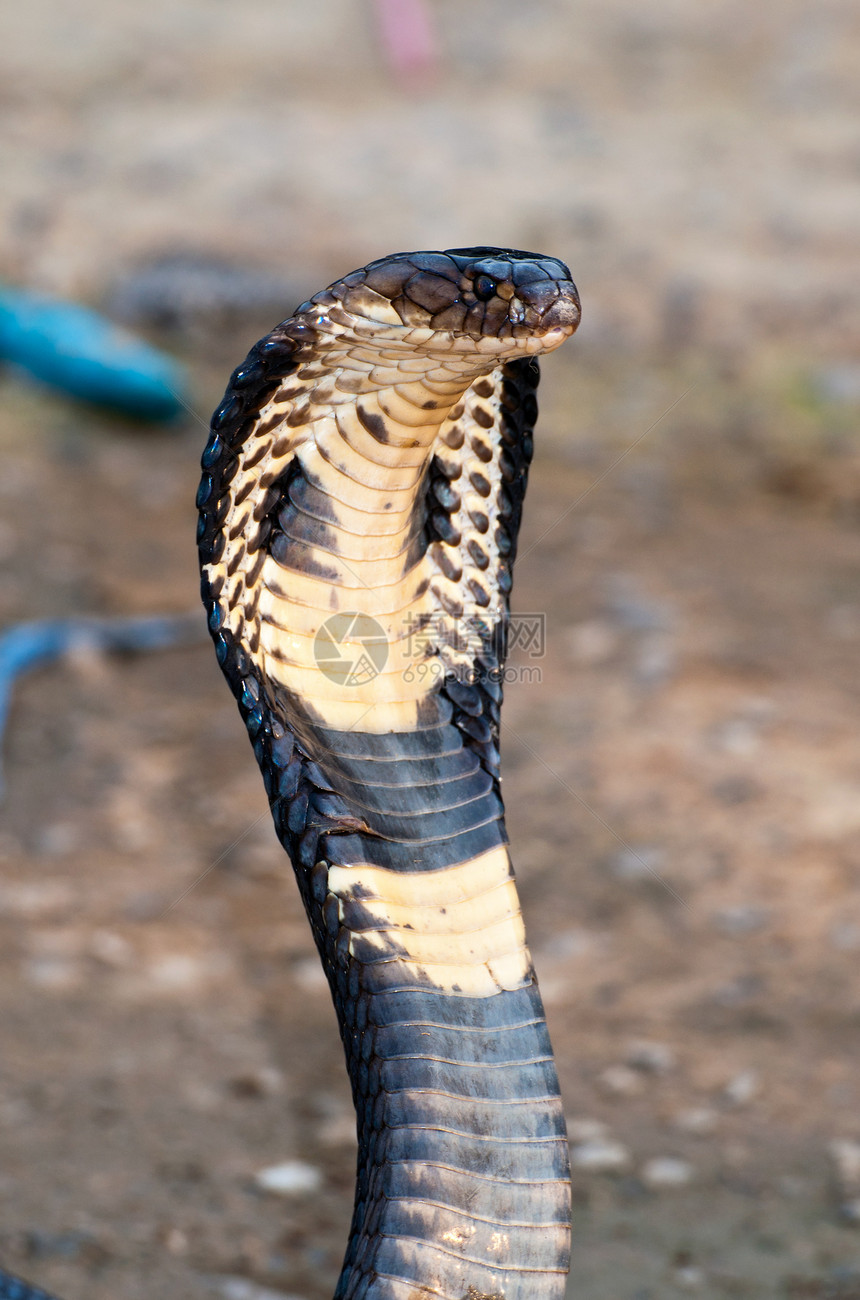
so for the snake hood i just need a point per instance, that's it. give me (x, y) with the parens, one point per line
(328, 450)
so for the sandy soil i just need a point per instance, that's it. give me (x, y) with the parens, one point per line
(681, 770)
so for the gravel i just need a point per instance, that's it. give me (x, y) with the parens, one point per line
(666, 1172)
(239, 1288)
(291, 1178)
(743, 1088)
(845, 1154)
(698, 1121)
(650, 1057)
(600, 1156)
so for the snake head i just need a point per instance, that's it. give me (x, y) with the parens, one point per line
(492, 300)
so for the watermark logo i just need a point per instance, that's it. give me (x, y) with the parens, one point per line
(351, 649)
(527, 633)
(470, 635)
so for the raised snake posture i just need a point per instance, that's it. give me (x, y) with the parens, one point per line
(359, 509)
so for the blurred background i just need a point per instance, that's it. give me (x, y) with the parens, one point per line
(683, 779)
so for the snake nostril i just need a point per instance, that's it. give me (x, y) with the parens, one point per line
(565, 311)
(550, 303)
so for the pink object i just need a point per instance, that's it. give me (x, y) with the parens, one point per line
(408, 39)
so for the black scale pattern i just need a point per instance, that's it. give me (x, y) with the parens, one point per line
(477, 700)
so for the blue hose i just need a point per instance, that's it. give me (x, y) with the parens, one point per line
(31, 645)
(79, 352)
(13, 1288)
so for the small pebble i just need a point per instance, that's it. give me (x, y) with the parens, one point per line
(620, 1080)
(239, 1288)
(591, 643)
(182, 972)
(655, 660)
(309, 975)
(599, 1156)
(264, 1082)
(699, 1121)
(110, 948)
(737, 737)
(665, 1172)
(742, 1088)
(741, 919)
(845, 1154)
(54, 973)
(689, 1278)
(839, 384)
(57, 840)
(650, 1057)
(633, 864)
(291, 1178)
(850, 1211)
(574, 942)
(586, 1130)
(176, 1242)
(33, 901)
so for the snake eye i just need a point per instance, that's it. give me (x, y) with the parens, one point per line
(484, 287)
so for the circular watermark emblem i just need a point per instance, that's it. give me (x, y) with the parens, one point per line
(350, 648)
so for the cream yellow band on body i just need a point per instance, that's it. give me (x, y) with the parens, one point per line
(461, 926)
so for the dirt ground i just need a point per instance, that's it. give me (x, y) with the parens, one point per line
(682, 763)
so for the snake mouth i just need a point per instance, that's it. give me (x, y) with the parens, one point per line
(560, 319)
(555, 336)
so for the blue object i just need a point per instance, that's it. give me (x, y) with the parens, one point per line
(32, 645)
(14, 1288)
(76, 350)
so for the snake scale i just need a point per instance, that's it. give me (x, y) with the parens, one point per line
(359, 507)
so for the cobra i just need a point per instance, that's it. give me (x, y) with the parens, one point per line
(359, 507)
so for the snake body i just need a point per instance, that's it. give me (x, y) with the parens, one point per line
(359, 508)
(361, 493)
